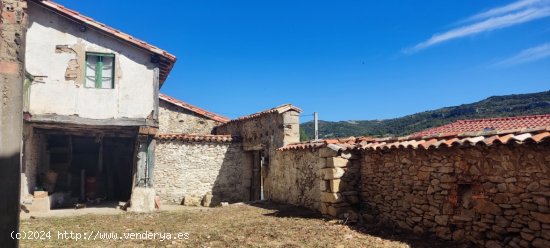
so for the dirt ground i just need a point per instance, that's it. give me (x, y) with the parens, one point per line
(240, 225)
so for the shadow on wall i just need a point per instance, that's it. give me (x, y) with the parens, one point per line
(233, 180)
(9, 205)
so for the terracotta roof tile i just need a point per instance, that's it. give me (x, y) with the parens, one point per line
(279, 109)
(167, 60)
(487, 125)
(198, 138)
(193, 108)
(521, 133)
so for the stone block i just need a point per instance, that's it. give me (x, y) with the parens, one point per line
(332, 173)
(486, 207)
(543, 218)
(323, 208)
(349, 155)
(336, 211)
(142, 200)
(191, 201)
(207, 201)
(540, 243)
(40, 205)
(324, 185)
(441, 220)
(40, 194)
(337, 162)
(331, 197)
(327, 152)
(334, 185)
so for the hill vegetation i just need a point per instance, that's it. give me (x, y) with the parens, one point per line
(496, 106)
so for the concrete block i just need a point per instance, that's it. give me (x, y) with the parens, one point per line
(337, 162)
(142, 200)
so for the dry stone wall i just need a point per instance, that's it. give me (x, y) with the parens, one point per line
(492, 196)
(325, 180)
(292, 177)
(210, 172)
(339, 185)
(174, 119)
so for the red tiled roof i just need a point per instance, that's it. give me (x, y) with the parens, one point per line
(506, 130)
(167, 60)
(489, 138)
(197, 138)
(193, 109)
(504, 123)
(279, 109)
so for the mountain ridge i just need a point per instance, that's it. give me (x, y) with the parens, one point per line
(491, 107)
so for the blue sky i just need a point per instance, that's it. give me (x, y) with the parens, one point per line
(347, 60)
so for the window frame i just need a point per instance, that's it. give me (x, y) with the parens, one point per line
(98, 74)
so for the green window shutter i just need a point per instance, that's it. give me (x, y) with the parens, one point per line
(100, 71)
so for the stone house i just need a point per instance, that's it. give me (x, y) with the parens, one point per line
(91, 109)
(203, 158)
(97, 127)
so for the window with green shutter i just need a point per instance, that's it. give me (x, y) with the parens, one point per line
(100, 70)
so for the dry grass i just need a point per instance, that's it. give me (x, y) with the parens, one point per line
(234, 226)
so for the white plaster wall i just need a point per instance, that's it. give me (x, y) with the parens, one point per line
(132, 96)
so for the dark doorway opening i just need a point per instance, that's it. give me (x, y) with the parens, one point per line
(86, 169)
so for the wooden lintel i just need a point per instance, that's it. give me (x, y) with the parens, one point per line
(71, 119)
(146, 130)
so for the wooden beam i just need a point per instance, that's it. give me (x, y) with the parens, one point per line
(66, 119)
(148, 130)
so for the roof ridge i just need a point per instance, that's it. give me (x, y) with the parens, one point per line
(280, 109)
(166, 64)
(193, 108)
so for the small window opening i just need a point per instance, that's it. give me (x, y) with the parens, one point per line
(100, 70)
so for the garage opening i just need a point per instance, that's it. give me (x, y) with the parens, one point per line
(91, 170)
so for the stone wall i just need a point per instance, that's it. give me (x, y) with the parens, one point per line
(267, 131)
(492, 196)
(193, 170)
(32, 157)
(292, 177)
(321, 179)
(174, 119)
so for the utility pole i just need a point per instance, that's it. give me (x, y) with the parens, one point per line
(316, 120)
(13, 27)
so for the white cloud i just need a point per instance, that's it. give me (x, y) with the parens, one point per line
(504, 9)
(528, 55)
(496, 18)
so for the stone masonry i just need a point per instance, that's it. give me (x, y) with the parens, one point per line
(13, 22)
(492, 196)
(198, 171)
(174, 119)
